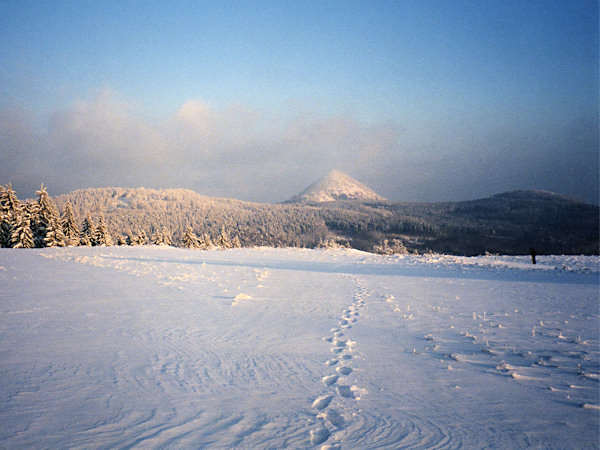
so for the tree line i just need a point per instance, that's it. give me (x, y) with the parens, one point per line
(38, 224)
(509, 223)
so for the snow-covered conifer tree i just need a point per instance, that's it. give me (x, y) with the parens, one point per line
(142, 238)
(223, 240)
(10, 209)
(102, 236)
(235, 243)
(22, 236)
(130, 238)
(157, 238)
(87, 235)
(166, 237)
(46, 228)
(54, 235)
(190, 240)
(394, 247)
(69, 227)
(5, 229)
(204, 242)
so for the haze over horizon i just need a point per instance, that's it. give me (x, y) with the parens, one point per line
(420, 101)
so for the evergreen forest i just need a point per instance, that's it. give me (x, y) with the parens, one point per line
(508, 223)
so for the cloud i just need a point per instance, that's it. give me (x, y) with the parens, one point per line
(243, 153)
(104, 132)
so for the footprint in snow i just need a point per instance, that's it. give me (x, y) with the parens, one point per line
(330, 379)
(319, 435)
(334, 418)
(345, 391)
(343, 370)
(322, 402)
(340, 343)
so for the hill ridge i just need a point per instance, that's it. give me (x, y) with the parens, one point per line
(505, 223)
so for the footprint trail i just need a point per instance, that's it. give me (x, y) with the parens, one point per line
(337, 408)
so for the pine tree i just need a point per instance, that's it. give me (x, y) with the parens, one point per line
(87, 235)
(10, 209)
(54, 236)
(69, 227)
(166, 237)
(190, 240)
(47, 231)
(130, 239)
(5, 228)
(204, 242)
(157, 238)
(101, 235)
(142, 238)
(236, 242)
(22, 236)
(396, 247)
(223, 240)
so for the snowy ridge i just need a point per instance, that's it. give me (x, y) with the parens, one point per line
(568, 263)
(336, 185)
(255, 348)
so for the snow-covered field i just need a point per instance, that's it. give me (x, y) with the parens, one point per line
(163, 347)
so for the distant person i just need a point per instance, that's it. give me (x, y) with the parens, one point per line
(532, 252)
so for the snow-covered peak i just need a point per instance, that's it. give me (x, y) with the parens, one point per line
(336, 185)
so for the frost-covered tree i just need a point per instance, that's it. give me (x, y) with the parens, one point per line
(10, 209)
(130, 238)
(69, 226)
(47, 231)
(223, 240)
(190, 240)
(87, 235)
(235, 243)
(157, 238)
(101, 235)
(54, 235)
(142, 238)
(166, 237)
(204, 242)
(5, 230)
(161, 237)
(22, 235)
(395, 247)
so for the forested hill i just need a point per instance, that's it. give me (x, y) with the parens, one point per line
(509, 223)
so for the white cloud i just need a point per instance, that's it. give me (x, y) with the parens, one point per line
(104, 131)
(239, 152)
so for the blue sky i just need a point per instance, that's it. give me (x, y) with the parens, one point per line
(421, 100)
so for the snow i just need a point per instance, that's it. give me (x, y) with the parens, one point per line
(337, 185)
(163, 347)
